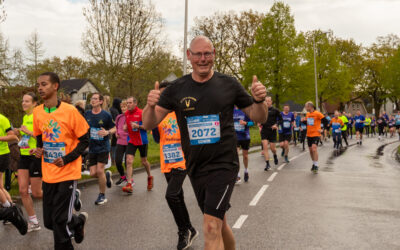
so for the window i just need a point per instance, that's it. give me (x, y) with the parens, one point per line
(84, 96)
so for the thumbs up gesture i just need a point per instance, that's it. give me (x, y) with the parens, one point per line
(258, 90)
(154, 96)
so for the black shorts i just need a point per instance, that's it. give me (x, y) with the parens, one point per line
(360, 130)
(131, 150)
(285, 137)
(244, 144)
(4, 162)
(94, 158)
(31, 163)
(397, 126)
(268, 134)
(313, 140)
(213, 191)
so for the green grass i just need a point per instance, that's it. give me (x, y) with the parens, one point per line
(398, 150)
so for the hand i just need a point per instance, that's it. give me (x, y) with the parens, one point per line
(116, 135)
(258, 90)
(274, 127)
(125, 127)
(37, 152)
(135, 125)
(103, 132)
(243, 123)
(154, 96)
(59, 162)
(24, 129)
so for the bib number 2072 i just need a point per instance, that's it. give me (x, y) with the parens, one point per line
(204, 129)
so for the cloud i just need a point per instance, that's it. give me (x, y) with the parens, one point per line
(60, 23)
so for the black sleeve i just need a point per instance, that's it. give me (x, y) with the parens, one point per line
(9, 129)
(166, 99)
(243, 99)
(110, 122)
(325, 122)
(278, 117)
(156, 135)
(39, 141)
(78, 151)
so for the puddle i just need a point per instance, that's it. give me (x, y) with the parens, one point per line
(336, 153)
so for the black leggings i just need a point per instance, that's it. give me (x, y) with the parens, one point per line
(344, 136)
(367, 130)
(373, 130)
(119, 155)
(381, 130)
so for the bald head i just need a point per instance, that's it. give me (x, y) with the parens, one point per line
(200, 39)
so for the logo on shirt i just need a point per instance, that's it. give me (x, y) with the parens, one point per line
(51, 130)
(188, 103)
(101, 122)
(170, 127)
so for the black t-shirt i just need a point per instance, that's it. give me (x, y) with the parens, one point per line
(104, 120)
(274, 117)
(207, 108)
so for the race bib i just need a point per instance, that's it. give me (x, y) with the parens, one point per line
(24, 142)
(286, 124)
(172, 153)
(296, 129)
(94, 135)
(337, 130)
(304, 127)
(358, 120)
(53, 150)
(310, 121)
(204, 129)
(135, 129)
(239, 127)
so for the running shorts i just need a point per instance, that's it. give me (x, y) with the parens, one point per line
(95, 158)
(285, 137)
(268, 134)
(244, 144)
(313, 140)
(31, 163)
(131, 150)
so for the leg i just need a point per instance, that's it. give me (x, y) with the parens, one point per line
(129, 167)
(273, 148)
(101, 176)
(212, 228)
(119, 155)
(245, 158)
(265, 148)
(3, 190)
(146, 164)
(227, 236)
(23, 182)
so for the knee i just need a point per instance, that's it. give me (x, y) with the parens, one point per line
(23, 192)
(172, 197)
(100, 171)
(93, 173)
(212, 229)
(245, 157)
(37, 194)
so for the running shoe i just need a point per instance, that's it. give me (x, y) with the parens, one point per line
(184, 240)
(238, 180)
(16, 217)
(267, 167)
(101, 199)
(121, 180)
(80, 230)
(33, 227)
(286, 159)
(313, 167)
(315, 170)
(108, 178)
(150, 183)
(193, 235)
(276, 160)
(128, 188)
(283, 152)
(360, 142)
(246, 177)
(78, 202)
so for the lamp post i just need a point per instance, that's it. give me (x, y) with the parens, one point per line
(315, 70)
(185, 39)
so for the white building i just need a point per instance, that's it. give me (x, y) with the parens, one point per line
(78, 89)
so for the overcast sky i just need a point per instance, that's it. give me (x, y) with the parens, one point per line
(60, 23)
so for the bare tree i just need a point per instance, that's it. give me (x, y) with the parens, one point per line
(3, 13)
(35, 50)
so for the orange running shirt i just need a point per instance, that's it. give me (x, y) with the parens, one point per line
(60, 131)
(314, 123)
(171, 154)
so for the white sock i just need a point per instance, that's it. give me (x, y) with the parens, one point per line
(239, 175)
(315, 163)
(245, 170)
(6, 204)
(33, 219)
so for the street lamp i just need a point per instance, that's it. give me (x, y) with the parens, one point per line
(315, 69)
(185, 39)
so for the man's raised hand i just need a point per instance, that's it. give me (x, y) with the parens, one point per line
(258, 90)
(154, 96)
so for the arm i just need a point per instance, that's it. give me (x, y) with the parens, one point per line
(80, 148)
(156, 135)
(152, 116)
(325, 122)
(257, 112)
(9, 137)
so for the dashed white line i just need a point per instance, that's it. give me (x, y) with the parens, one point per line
(239, 222)
(272, 177)
(258, 195)
(281, 166)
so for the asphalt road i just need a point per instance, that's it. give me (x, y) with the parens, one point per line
(353, 203)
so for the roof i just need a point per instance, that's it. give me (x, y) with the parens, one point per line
(330, 108)
(294, 107)
(74, 84)
(171, 77)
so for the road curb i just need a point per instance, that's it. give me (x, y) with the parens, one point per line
(397, 154)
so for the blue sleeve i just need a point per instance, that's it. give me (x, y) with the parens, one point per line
(156, 135)
(109, 124)
(250, 123)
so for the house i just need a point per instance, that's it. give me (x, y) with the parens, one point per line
(355, 105)
(171, 77)
(78, 89)
(295, 107)
(389, 107)
(329, 108)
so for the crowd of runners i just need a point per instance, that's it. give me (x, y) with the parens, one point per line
(201, 122)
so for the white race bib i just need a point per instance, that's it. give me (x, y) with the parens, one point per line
(53, 150)
(358, 120)
(172, 153)
(24, 142)
(204, 129)
(337, 130)
(286, 124)
(310, 121)
(94, 135)
(239, 127)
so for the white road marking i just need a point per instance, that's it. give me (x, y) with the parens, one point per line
(239, 222)
(258, 195)
(297, 156)
(281, 166)
(272, 177)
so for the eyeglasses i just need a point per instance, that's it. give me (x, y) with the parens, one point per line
(199, 55)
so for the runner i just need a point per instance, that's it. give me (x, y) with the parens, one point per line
(350, 124)
(397, 117)
(29, 167)
(138, 140)
(373, 125)
(203, 102)
(314, 120)
(392, 126)
(359, 125)
(285, 131)
(62, 135)
(386, 117)
(101, 127)
(345, 129)
(367, 125)
(122, 143)
(303, 129)
(242, 124)
(173, 166)
(268, 132)
(327, 128)
(381, 126)
(296, 129)
(337, 125)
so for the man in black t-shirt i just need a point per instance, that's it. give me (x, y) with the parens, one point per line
(203, 102)
(268, 132)
(101, 127)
